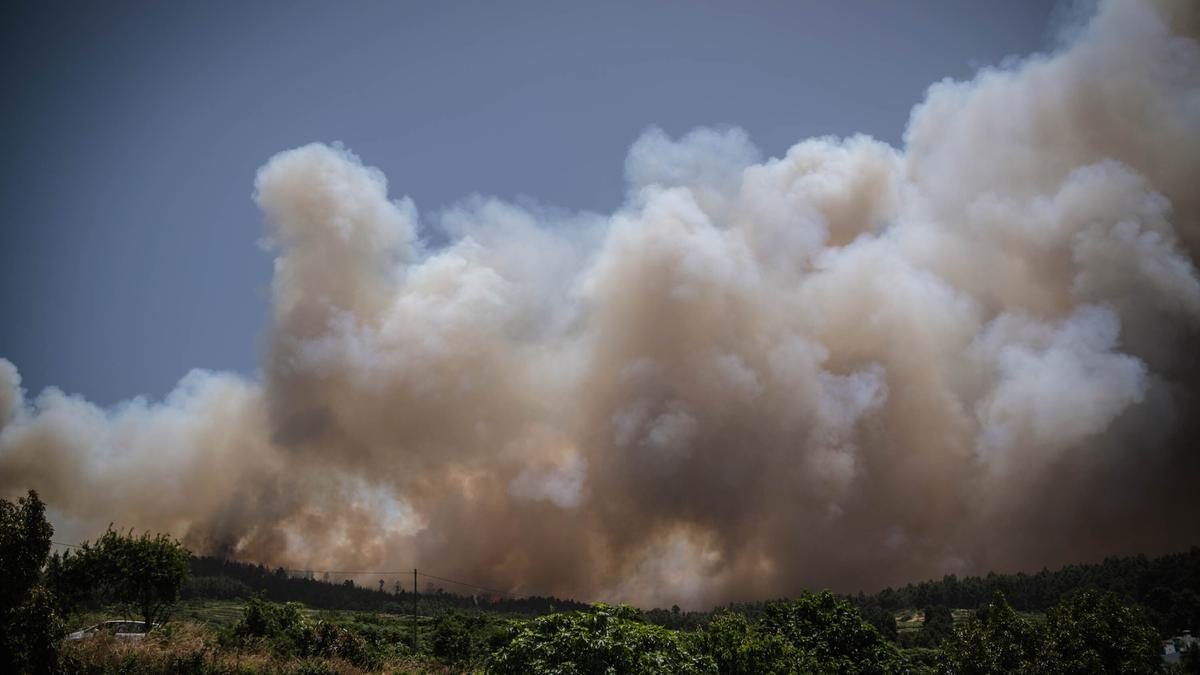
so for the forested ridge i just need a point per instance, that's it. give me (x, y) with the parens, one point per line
(224, 579)
(1156, 582)
(1167, 586)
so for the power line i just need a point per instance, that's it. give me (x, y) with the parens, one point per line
(348, 573)
(478, 588)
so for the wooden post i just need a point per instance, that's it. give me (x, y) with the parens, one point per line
(414, 619)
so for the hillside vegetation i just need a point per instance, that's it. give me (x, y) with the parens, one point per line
(213, 616)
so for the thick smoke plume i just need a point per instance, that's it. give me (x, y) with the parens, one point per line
(850, 366)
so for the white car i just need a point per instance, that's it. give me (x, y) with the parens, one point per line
(120, 629)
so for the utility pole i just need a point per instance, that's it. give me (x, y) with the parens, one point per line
(414, 611)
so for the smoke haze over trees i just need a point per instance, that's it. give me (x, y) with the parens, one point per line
(847, 367)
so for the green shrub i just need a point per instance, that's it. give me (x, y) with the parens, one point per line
(1094, 632)
(922, 660)
(289, 633)
(816, 632)
(1002, 642)
(739, 648)
(327, 640)
(283, 626)
(451, 640)
(603, 640)
(145, 573)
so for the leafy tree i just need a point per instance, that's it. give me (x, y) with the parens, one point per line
(1089, 632)
(144, 572)
(738, 647)
(24, 545)
(1095, 632)
(816, 632)
(35, 632)
(833, 633)
(29, 623)
(288, 632)
(883, 620)
(451, 639)
(261, 619)
(603, 640)
(938, 625)
(997, 640)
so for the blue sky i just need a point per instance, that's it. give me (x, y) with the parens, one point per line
(132, 132)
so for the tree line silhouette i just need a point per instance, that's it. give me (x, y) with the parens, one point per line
(214, 578)
(1168, 586)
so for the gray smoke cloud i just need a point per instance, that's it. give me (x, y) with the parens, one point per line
(850, 366)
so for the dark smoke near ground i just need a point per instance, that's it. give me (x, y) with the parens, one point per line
(851, 366)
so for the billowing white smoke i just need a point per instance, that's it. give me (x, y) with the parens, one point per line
(849, 366)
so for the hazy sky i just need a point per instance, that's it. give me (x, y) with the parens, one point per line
(132, 132)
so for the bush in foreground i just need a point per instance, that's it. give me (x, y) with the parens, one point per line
(816, 632)
(603, 640)
(289, 633)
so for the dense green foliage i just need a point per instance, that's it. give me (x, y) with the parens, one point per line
(816, 632)
(1093, 632)
(832, 632)
(1089, 632)
(883, 620)
(1088, 629)
(1085, 632)
(29, 621)
(1169, 586)
(290, 633)
(144, 573)
(937, 625)
(997, 640)
(602, 640)
(364, 640)
(739, 648)
(24, 545)
(468, 637)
